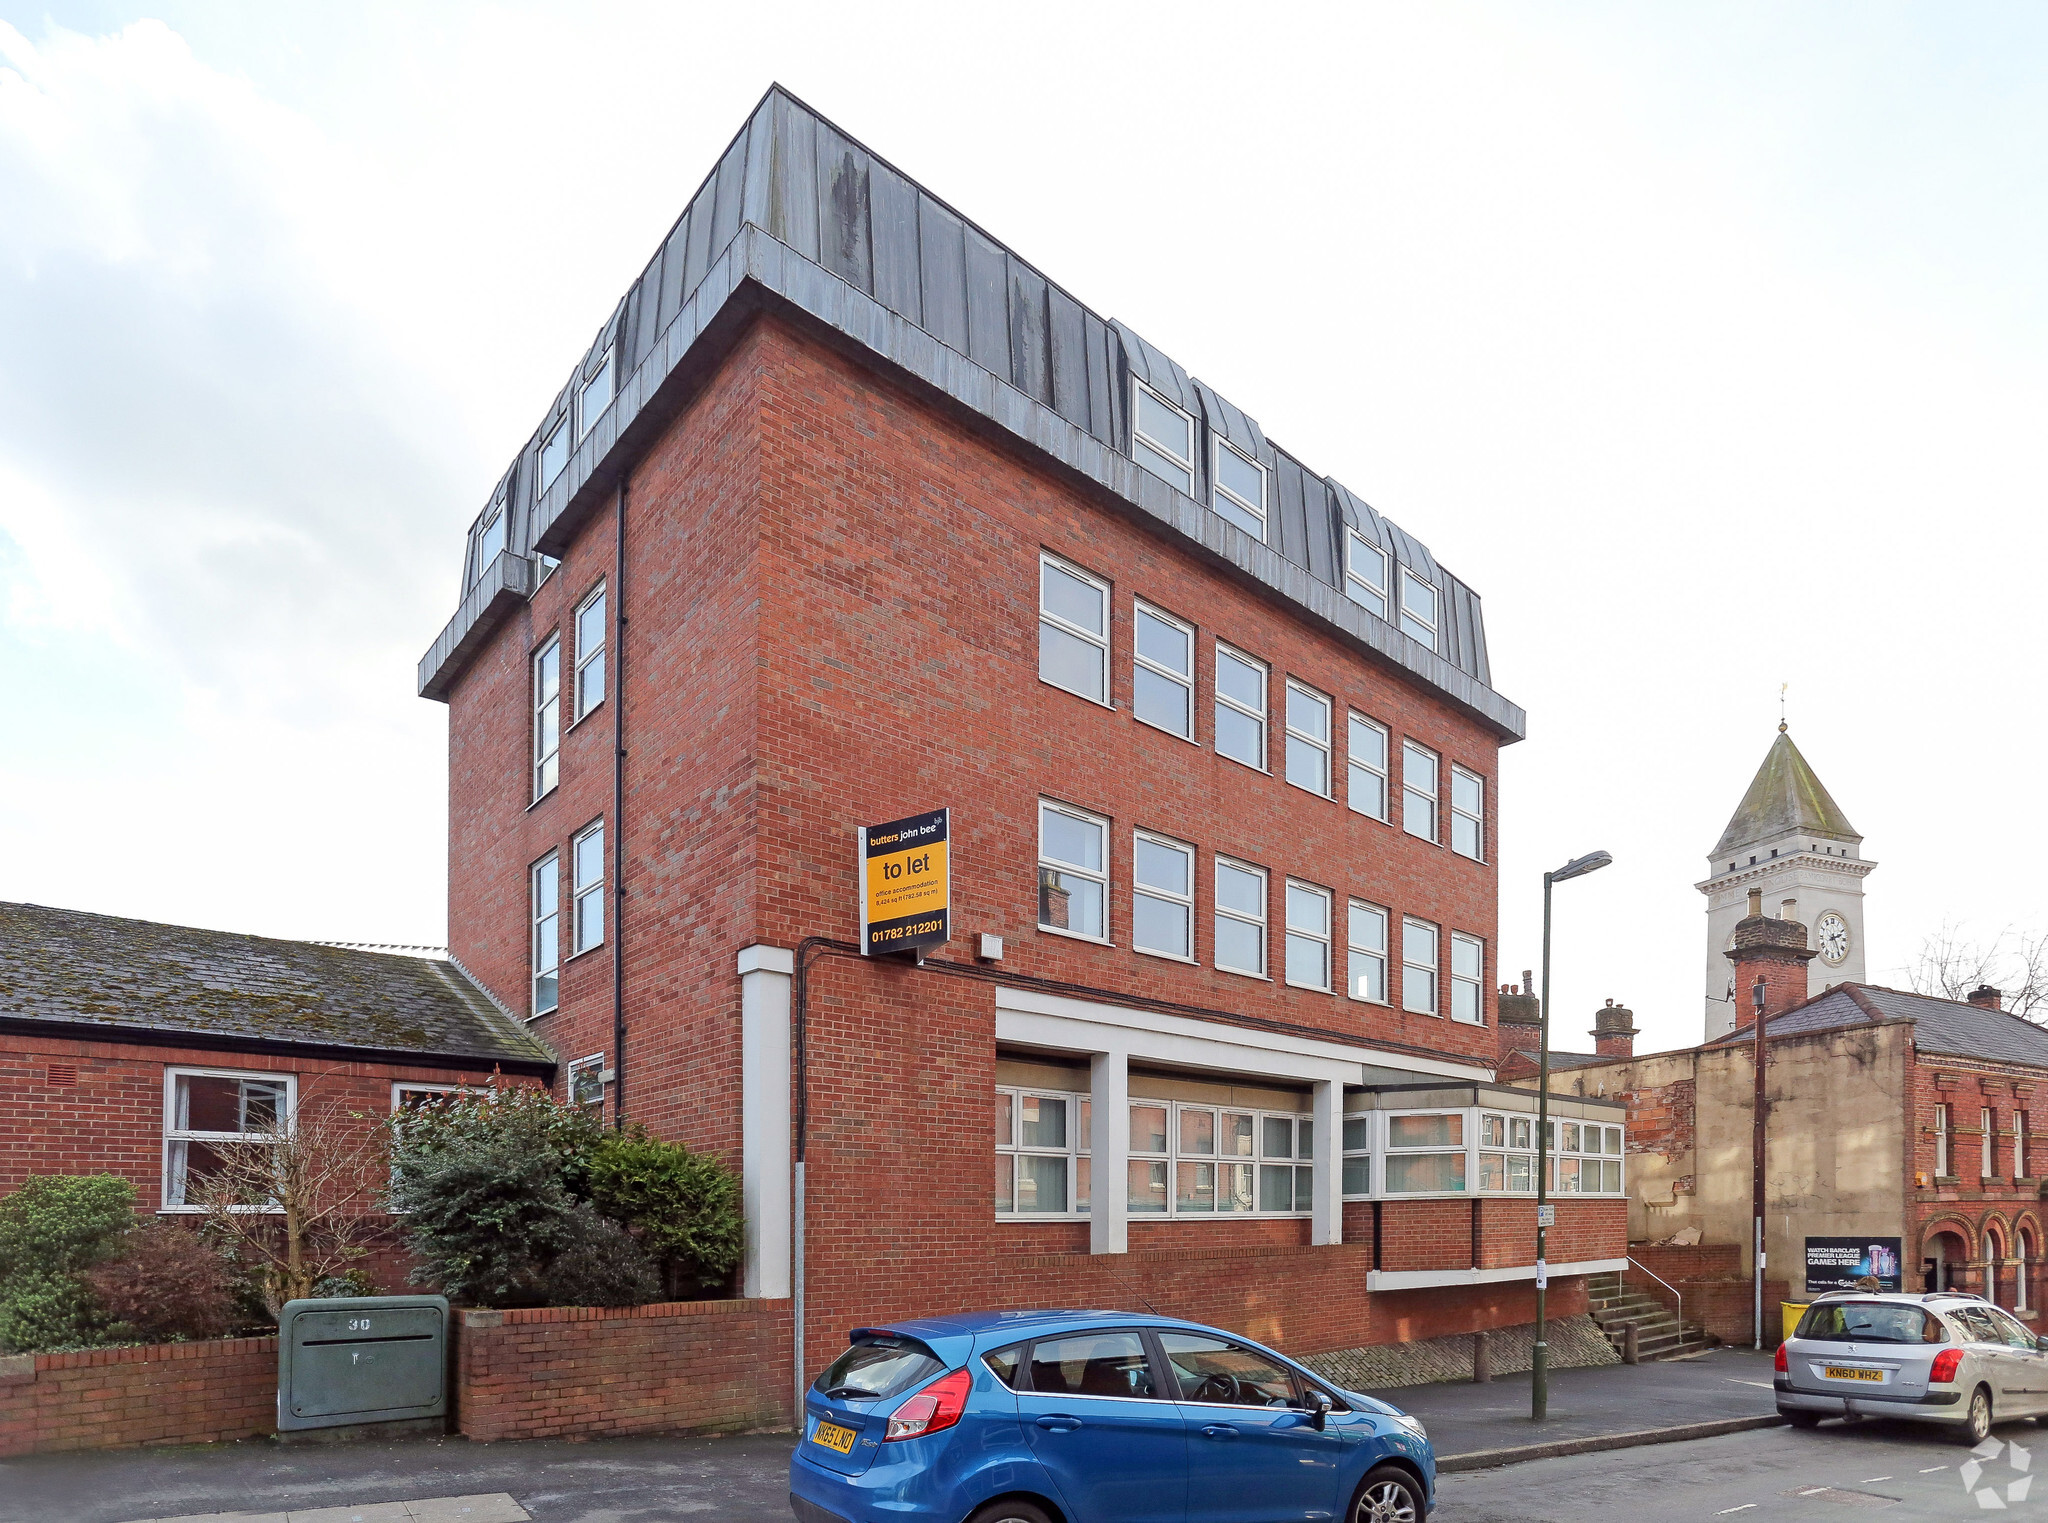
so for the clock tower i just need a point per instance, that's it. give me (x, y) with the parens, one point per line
(1790, 839)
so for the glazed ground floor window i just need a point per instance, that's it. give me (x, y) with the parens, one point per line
(207, 1108)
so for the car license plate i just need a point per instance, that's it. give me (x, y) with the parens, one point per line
(1843, 1372)
(832, 1436)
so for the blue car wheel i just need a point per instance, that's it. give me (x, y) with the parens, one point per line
(1388, 1496)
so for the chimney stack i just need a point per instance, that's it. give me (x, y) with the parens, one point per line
(1614, 1031)
(1774, 951)
(1984, 997)
(1518, 1017)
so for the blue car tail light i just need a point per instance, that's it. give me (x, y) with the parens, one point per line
(937, 1406)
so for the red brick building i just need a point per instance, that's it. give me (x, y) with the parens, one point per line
(849, 514)
(127, 1047)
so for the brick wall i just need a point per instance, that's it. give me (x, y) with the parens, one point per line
(677, 1367)
(173, 1393)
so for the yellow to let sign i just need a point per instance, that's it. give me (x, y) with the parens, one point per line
(906, 884)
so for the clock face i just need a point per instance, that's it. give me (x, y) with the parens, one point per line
(1834, 938)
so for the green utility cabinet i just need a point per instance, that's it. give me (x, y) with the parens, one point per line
(370, 1359)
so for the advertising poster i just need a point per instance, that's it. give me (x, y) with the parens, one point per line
(1837, 1263)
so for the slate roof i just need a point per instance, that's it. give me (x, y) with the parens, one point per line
(1946, 1026)
(1784, 798)
(96, 976)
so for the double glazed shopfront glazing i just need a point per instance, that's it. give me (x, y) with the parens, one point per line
(1204, 1147)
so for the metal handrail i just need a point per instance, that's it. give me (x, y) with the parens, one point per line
(1677, 1294)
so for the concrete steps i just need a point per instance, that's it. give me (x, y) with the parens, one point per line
(1615, 1306)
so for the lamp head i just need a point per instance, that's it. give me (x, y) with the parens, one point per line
(1578, 867)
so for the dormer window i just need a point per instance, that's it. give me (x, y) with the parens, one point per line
(1162, 438)
(490, 542)
(554, 454)
(1365, 573)
(1418, 608)
(1240, 494)
(595, 397)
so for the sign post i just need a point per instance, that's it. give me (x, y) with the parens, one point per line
(906, 897)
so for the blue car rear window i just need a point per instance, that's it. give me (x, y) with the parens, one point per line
(877, 1368)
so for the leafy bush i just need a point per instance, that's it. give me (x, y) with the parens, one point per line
(515, 1199)
(684, 1207)
(165, 1282)
(51, 1229)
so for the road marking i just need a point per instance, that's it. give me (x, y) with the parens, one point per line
(1745, 1507)
(1761, 1385)
(1930, 1469)
(1869, 1478)
(491, 1507)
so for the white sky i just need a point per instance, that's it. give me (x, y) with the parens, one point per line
(1706, 342)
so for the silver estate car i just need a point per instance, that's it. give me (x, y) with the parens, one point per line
(1945, 1358)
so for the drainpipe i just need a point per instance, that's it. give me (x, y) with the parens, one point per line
(618, 595)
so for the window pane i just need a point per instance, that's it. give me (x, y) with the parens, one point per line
(1080, 602)
(1194, 1187)
(1148, 1129)
(1308, 961)
(1358, 1176)
(1412, 1173)
(1006, 1184)
(1368, 928)
(1164, 643)
(554, 454)
(1240, 945)
(1465, 956)
(1171, 428)
(1368, 977)
(1464, 791)
(1066, 660)
(1242, 517)
(1307, 910)
(1520, 1133)
(1240, 737)
(490, 543)
(590, 626)
(1368, 793)
(1418, 942)
(1418, 815)
(1081, 1182)
(1163, 702)
(546, 989)
(1168, 868)
(1241, 681)
(597, 396)
(1163, 466)
(1308, 765)
(1041, 1182)
(1162, 925)
(1612, 1177)
(1216, 1372)
(1240, 476)
(1418, 990)
(1520, 1176)
(1068, 903)
(1279, 1137)
(1493, 1172)
(1446, 1131)
(1004, 1135)
(1614, 1136)
(1041, 1122)
(1237, 889)
(1197, 1131)
(207, 1103)
(1571, 1134)
(590, 858)
(1308, 713)
(1355, 1140)
(1276, 1187)
(1368, 744)
(1092, 1364)
(1148, 1188)
(1236, 1189)
(1074, 841)
(1235, 1135)
(1418, 769)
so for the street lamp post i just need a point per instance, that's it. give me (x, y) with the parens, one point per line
(1539, 1355)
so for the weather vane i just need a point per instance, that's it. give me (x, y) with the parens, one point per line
(1781, 706)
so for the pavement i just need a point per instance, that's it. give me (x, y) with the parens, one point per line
(743, 1478)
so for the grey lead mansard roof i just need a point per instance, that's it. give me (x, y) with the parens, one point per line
(98, 978)
(797, 216)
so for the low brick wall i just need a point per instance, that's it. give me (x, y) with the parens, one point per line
(1718, 1296)
(167, 1393)
(675, 1367)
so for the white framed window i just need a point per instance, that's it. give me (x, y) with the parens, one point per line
(1240, 707)
(1585, 1158)
(1468, 974)
(1073, 629)
(1987, 1129)
(1041, 1153)
(586, 865)
(205, 1107)
(1240, 494)
(1308, 936)
(1418, 790)
(1358, 1155)
(1073, 871)
(410, 1097)
(1212, 1160)
(1367, 792)
(1941, 1134)
(546, 900)
(1163, 672)
(1367, 940)
(1418, 966)
(1308, 738)
(1162, 437)
(490, 543)
(1468, 814)
(586, 1080)
(1418, 608)
(594, 398)
(547, 717)
(1425, 1153)
(1507, 1164)
(1365, 573)
(1162, 896)
(1240, 918)
(554, 453)
(590, 636)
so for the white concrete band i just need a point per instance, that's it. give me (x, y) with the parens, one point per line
(1425, 1279)
(765, 1136)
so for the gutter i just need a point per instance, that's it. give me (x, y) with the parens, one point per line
(209, 1041)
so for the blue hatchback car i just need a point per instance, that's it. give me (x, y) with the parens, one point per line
(1095, 1417)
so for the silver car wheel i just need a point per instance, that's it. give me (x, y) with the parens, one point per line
(1386, 1502)
(1979, 1425)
